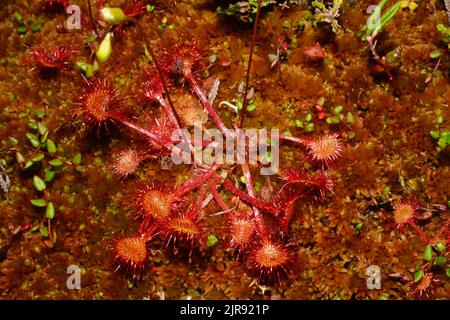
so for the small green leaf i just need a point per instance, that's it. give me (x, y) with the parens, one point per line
(349, 117)
(447, 272)
(373, 22)
(43, 231)
(286, 24)
(42, 128)
(309, 127)
(440, 261)
(149, 8)
(212, 240)
(49, 175)
(308, 117)
(36, 27)
(77, 158)
(22, 29)
(338, 109)
(33, 124)
(442, 142)
(89, 71)
(39, 202)
(51, 147)
(39, 184)
(390, 14)
(434, 134)
(298, 123)
(28, 164)
(44, 137)
(19, 157)
(81, 65)
(13, 141)
(56, 162)
(418, 275)
(440, 247)
(50, 211)
(251, 107)
(33, 139)
(428, 253)
(18, 17)
(40, 112)
(435, 54)
(38, 157)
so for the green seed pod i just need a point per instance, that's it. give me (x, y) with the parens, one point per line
(112, 15)
(104, 49)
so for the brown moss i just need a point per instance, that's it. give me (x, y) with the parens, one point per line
(391, 144)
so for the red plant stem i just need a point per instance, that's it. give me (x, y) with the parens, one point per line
(200, 198)
(381, 62)
(168, 111)
(138, 128)
(303, 142)
(191, 185)
(251, 192)
(147, 232)
(196, 208)
(161, 76)
(264, 206)
(216, 195)
(288, 214)
(250, 57)
(442, 230)
(419, 231)
(207, 104)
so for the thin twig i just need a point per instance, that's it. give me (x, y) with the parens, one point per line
(158, 68)
(250, 57)
(94, 24)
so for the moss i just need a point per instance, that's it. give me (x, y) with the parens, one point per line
(391, 144)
